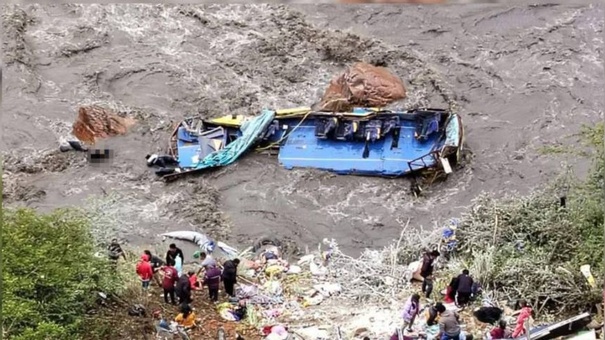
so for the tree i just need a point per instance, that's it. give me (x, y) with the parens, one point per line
(50, 274)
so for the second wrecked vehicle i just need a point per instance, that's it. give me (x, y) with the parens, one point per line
(365, 141)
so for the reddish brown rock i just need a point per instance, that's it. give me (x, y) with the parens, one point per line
(95, 122)
(362, 85)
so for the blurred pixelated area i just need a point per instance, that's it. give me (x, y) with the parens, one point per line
(100, 156)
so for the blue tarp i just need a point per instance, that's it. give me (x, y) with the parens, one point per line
(251, 131)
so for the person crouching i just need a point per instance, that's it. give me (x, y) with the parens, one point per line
(212, 279)
(193, 280)
(183, 289)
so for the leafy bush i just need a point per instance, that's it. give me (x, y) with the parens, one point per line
(50, 275)
(530, 247)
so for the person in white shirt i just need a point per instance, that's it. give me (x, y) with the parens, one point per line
(178, 265)
(207, 261)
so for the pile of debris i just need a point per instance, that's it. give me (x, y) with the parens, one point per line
(329, 295)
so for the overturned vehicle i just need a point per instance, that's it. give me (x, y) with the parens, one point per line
(365, 141)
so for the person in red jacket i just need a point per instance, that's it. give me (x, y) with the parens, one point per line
(524, 315)
(171, 276)
(193, 280)
(145, 271)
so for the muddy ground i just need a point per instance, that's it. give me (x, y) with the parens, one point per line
(522, 77)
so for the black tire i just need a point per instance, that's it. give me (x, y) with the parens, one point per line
(265, 241)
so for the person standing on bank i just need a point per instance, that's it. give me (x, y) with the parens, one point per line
(172, 253)
(207, 261)
(156, 265)
(426, 271)
(410, 311)
(525, 315)
(144, 271)
(230, 276)
(212, 279)
(464, 289)
(170, 279)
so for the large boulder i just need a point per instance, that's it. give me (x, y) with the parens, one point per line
(363, 85)
(95, 122)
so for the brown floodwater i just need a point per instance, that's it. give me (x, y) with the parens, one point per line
(522, 77)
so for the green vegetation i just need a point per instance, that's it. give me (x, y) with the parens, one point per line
(590, 137)
(531, 247)
(51, 276)
(556, 149)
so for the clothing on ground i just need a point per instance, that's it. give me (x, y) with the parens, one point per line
(488, 314)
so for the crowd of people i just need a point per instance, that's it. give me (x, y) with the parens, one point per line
(460, 292)
(178, 286)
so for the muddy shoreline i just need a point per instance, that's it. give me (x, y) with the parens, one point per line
(522, 78)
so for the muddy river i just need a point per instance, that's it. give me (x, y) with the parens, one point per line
(524, 79)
